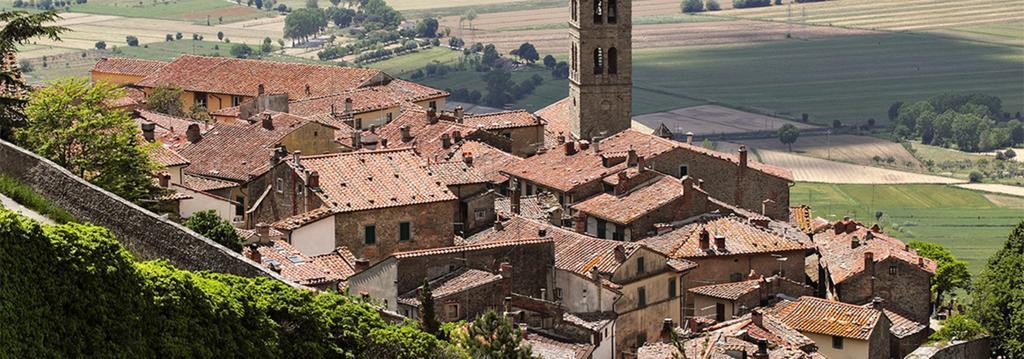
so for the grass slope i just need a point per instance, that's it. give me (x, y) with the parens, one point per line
(844, 78)
(964, 221)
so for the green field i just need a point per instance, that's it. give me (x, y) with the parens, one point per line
(189, 10)
(404, 65)
(964, 221)
(849, 78)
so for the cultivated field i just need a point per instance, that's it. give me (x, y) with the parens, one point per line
(1008, 33)
(970, 224)
(845, 148)
(186, 10)
(710, 120)
(891, 15)
(995, 188)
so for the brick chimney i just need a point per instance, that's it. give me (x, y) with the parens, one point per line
(570, 148)
(313, 179)
(689, 138)
(854, 243)
(431, 116)
(581, 222)
(631, 158)
(268, 122)
(446, 141)
(705, 240)
(260, 89)
(456, 136)
(641, 164)
(498, 225)
(459, 114)
(254, 254)
(406, 133)
(348, 106)
(149, 131)
(584, 145)
(467, 157)
(757, 318)
(165, 179)
(361, 264)
(263, 231)
(620, 253)
(869, 262)
(192, 133)
(622, 187)
(720, 243)
(357, 139)
(666, 330)
(505, 270)
(514, 200)
(743, 156)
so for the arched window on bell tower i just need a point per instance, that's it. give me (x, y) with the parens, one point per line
(598, 11)
(612, 11)
(613, 59)
(598, 61)
(574, 10)
(572, 61)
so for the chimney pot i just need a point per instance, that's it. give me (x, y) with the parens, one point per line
(705, 240)
(361, 264)
(313, 180)
(561, 138)
(666, 330)
(641, 164)
(165, 179)
(192, 133)
(584, 145)
(260, 89)
(268, 122)
(446, 141)
(348, 105)
(431, 116)
(757, 318)
(254, 253)
(596, 144)
(542, 232)
(467, 158)
(498, 225)
(149, 131)
(689, 138)
(457, 136)
(762, 349)
(570, 148)
(920, 261)
(459, 114)
(631, 159)
(406, 133)
(543, 294)
(743, 156)
(581, 222)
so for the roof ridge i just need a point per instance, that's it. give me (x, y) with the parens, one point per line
(353, 153)
(473, 246)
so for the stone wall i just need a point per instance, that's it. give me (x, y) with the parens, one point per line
(145, 234)
(978, 348)
(532, 264)
(431, 226)
(907, 290)
(724, 269)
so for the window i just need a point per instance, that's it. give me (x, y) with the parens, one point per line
(573, 8)
(452, 310)
(640, 265)
(620, 232)
(404, 231)
(391, 116)
(280, 185)
(602, 229)
(837, 342)
(558, 293)
(433, 105)
(480, 214)
(684, 171)
(641, 297)
(236, 100)
(358, 124)
(598, 11)
(671, 288)
(719, 312)
(240, 207)
(892, 270)
(575, 49)
(735, 277)
(370, 234)
(598, 61)
(529, 189)
(613, 61)
(612, 11)
(200, 98)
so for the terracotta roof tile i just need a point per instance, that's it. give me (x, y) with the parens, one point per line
(426, 136)
(295, 266)
(827, 317)
(455, 173)
(626, 208)
(127, 66)
(301, 219)
(366, 99)
(170, 130)
(166, 157)
(740, 238)
(469, 247)
(503, 120)
(730, 291)
(232, 76)
(593, 321)
(548, 348)
(364, 180)
(132, 97)
(204, 184)
(236, 152)
(486, 159)
(534, 207)
(843, 261)
(902, 326)
(460, 280)
(557, 117)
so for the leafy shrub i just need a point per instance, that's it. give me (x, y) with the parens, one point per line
(739, 4)
(132, 40)
(691, 6)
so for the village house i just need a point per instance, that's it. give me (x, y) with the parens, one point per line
(374, 202)
(640, 199)
(727, 301)
(755, 335)
(476, 199)
(486, 159)
(905, 335)
(542, 207)
(729, 249)
(839, 330)
(123, 71)
(859, 264)
(467, 280)
(326, 272)
(593, 275)
(237, 154)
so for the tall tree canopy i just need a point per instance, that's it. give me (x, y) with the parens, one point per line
(303, 23)
(951, 273)
(788, 134)
(19, 28)
(215, 228)
(999, 296)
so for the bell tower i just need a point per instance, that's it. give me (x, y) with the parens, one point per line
(601, 67)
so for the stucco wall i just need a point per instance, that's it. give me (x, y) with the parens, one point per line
(142, 232)
(314, 238)
(852, 348)
(203, 202)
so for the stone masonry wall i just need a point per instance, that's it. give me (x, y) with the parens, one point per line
(145, 234)
(431, 225)
(531, 266)
(907, 291)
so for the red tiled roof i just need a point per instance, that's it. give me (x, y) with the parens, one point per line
(593, 321)
(901, 325)
(502, 120)
(426, 136)
(341, 262)
(532, 207)
(455, 173)
(170, 130)
(635, 204)
(548, 348)
(843, 261)
(204, 184)
(366, 99)
(364, 180)
(221, 75)
(800, 216)
(132, 97)
(827, 317)
(127, 66)
(771, 329)
(166, 157)
(730, 291)
(236, 152)
(469, 247)
(557, 117)
(460, 280)
(301, 219)
(486, 159)
(740, 238)
(293, 265)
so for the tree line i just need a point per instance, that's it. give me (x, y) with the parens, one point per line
(972, 122)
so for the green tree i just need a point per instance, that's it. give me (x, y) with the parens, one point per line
(427, 28)
(498, 83)
(788, 135)
(312, 4)
(950, 274)
(18, 29)
(101, 45)
(71, 124)
(268, 45)
(967, 130)
(493, 336)
(491, 55)
(908, 114)
(220, 35)
(428, 317)
(1016, 132)
(550, 62)
(528, 52)
(165, 100)
(691, 6)
(958, 327)
(303, 23)
(335, 2)
(712, 5)
(998, 294)
(213, 227)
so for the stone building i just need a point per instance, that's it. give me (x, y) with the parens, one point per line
(476, 199)
(640, 199)
(729, 249)
(859, 264)
(374, 202)
(600, 67)
(325, 272)
(727, 301)
(639, 285)
(460, 295)
(839, 330)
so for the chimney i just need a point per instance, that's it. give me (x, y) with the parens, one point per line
(149, 131)
(446, 141)
(431, 116)
(456, 136)
(757, 318)
(720, 243)
(570, 148)
(260, 89)
(308, 90)
(459, 114)
(705, 240)
(384, 143)
(581, 222)
(362, 264)
(620, 253)
(514, 200)
(700, 183)
(296, 158)
(689, 138)
(597, 144)
(263, 231)
(641, 164)
(275, 157)
(542, 232)
(666, 331)
(622, 187)
(356, 139)
(631, 159)
(869, 261)
(920, 261)
(584, 145)
(543, 294)
(254, 253)
(333, 111)
(877, 302)
(561, 138)
(662, 228)
(498, 225)
(268, 122)
(762, 349)
(165, 179)
(348, 106)
(854, 243)
(192, 133)
(313, 180)
(743, 156)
